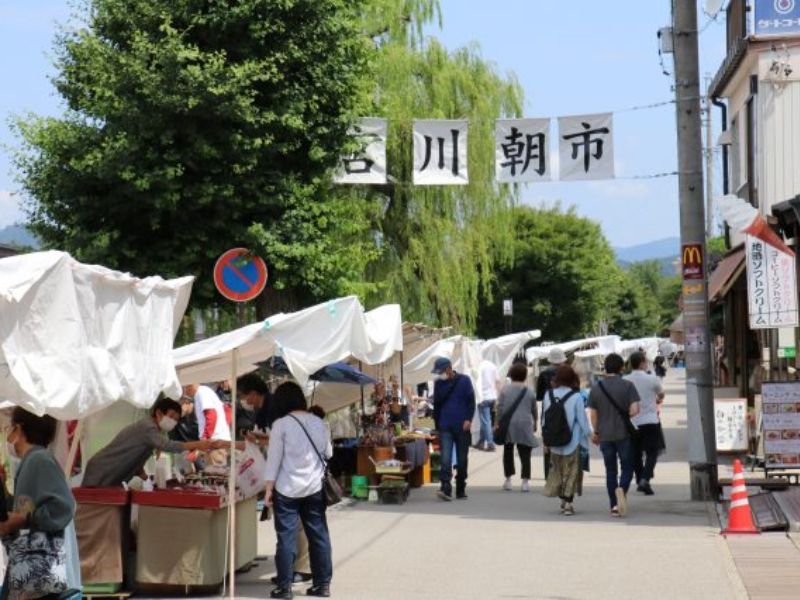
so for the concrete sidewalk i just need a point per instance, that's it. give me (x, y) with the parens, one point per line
(502, 544)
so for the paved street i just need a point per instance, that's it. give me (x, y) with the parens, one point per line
(512, 545)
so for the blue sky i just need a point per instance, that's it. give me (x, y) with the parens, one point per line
(573, 57)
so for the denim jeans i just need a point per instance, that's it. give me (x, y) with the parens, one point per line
(449, 438)
(622, 450)
(310, 511)
(485, 413)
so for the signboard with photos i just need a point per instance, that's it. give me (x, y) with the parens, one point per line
(780, 422)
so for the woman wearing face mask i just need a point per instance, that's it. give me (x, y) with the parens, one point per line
(127, 453)
(42, 508)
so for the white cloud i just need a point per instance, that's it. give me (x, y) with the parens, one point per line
(10, 212)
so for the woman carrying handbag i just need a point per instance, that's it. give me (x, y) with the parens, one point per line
(42, 508)
(517, 416)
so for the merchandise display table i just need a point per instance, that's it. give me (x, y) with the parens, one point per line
(182, 539)
(102, 526)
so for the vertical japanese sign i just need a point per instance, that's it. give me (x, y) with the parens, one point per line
(367, 165)
(522, 150)
(586, 147)
(771, 285)
(440, 152)
(780, 421)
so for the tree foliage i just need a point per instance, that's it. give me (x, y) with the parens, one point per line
(439, 246)
(194, 126)
(562, 279)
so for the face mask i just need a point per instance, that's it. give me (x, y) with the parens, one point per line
(442, 376)
(12, 451)
(248, 407)
(167, 424)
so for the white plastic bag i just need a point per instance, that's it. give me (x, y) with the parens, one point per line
(251, 470)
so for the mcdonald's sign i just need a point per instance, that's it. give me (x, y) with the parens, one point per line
(692, 261)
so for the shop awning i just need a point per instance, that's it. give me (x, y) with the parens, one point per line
(676, 330)
(725, 275)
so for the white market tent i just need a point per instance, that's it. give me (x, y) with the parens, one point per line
(77, 338)
(307, 340)
(605, 344)
(502, 350)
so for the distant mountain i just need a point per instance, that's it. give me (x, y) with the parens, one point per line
(17, 235)
(659, 249)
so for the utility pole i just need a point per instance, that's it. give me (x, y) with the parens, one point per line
(699, 392)
(709, 163)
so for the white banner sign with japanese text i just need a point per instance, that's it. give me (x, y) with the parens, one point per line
(771, 286)
(367, 165)
(522, 150)
(440, 152)
(586, 147)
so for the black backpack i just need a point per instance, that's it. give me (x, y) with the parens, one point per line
(555, 430)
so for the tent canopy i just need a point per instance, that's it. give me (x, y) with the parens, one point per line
(76, 338)
(307, 340)
(502, 350)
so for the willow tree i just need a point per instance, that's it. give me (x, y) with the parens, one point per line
(438, 246)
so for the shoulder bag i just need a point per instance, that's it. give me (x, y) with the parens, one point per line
(626, 418)
(37, 563)
(330, 487)
(501, 431)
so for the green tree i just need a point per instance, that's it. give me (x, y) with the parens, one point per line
(662, 293)
(563, 279)
(194, 126)
(634, 311)
(439, 246)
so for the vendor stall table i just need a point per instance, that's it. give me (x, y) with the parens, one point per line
(102, 525)
(182, 539)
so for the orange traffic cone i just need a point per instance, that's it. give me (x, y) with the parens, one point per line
(740, 519)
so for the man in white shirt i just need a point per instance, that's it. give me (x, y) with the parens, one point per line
(489, 384)
(647, 444)
(212, 424)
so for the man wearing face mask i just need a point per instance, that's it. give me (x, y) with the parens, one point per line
(128, 452)
(453, 409)
(252, 393)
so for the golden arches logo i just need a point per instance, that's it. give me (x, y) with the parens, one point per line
(692, 255)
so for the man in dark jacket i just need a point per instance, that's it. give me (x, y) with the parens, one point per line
(453, 410)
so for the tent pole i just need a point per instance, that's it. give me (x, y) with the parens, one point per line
(363, 408)
(232, 480)
(73, 449)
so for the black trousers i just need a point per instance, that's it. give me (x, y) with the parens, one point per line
(524, 458)
(646, 446)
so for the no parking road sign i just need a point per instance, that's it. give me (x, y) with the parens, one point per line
(240, 275)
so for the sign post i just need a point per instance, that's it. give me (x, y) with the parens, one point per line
(240, 275)
(508, 313)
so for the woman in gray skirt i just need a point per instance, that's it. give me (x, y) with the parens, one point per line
(519, 401)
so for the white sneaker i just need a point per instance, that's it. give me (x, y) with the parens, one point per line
(526, 486)
(507, 484)
(622, 502)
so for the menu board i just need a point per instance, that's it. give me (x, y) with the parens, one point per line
(730, 424)
(781, 423)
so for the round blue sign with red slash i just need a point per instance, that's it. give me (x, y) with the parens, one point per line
(240, 275)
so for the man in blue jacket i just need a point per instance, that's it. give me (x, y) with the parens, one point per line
(453, 410)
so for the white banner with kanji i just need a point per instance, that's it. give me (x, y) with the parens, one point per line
(522, 150)
(440, 152)
(771, 285)
(366, 165)
(586, 147)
